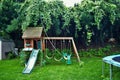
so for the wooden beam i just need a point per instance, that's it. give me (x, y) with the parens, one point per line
(75, 49)
(58, 38)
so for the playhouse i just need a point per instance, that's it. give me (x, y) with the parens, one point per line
(33, 38)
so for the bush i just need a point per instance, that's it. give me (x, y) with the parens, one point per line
(23, 57)
(10, 55)
(41, 60)
(96, 52)
(49, 53)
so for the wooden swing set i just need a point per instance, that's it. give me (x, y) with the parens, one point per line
(70, 39)
(34, 38)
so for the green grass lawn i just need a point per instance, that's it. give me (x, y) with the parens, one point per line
(91, 70)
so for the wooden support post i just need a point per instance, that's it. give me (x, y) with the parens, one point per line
(24, 43)
(75, 49)
(43, 44)
(32, 44)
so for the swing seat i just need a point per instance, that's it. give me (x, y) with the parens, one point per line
(67, 57)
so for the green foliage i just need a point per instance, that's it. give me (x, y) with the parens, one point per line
(104, 51)
(23, 57)
(4, 35)
(41, 58)
(38, 13)
(8, 12)
(13, 25)
(92, 21)
(11, 55)
(57, 54)
(106, 79)
(92, 14)
(48, 53)
(7, 6)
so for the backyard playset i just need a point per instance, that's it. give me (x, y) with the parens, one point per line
(35, 41)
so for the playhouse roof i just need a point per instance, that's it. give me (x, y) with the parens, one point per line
(33, 32)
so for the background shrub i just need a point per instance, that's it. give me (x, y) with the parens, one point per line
(102, 51)
(10, 55)
(24, 56)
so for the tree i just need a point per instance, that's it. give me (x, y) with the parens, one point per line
(7, 13)
(92, 21)
(92, 16)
